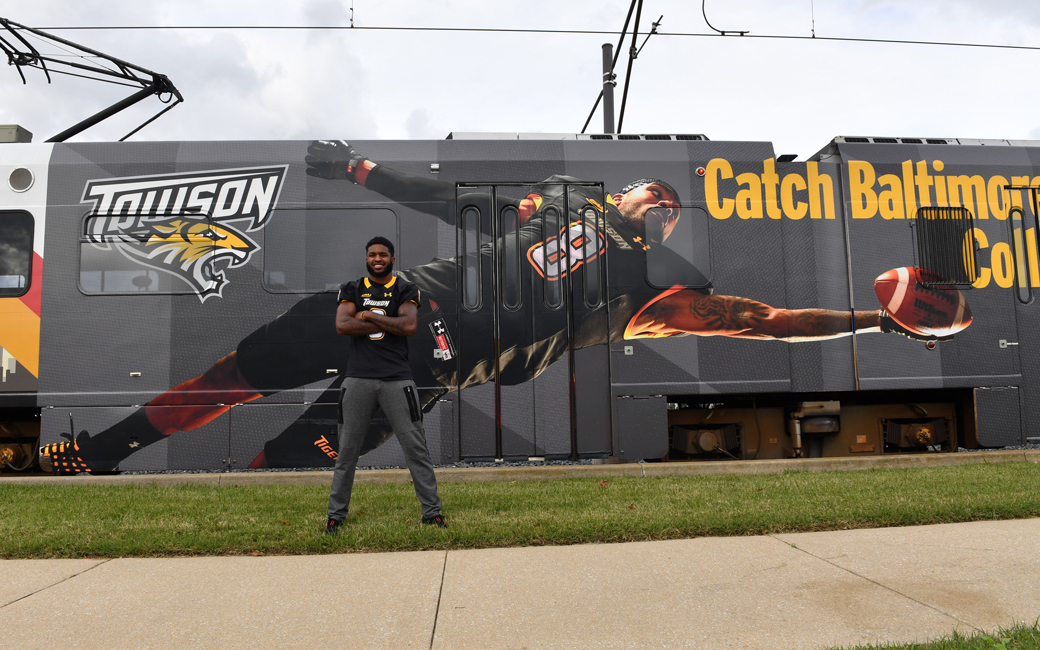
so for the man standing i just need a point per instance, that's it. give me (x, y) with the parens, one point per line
(378, 312)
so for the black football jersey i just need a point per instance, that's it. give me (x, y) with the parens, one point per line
(380, 355)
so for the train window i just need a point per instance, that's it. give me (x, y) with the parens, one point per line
(941, 234)
(16, 235)
(592, 254)
(1023, 245)
(510, 220)
(132, 254)
(552, 259)
(470, 254)
(678, 250)
(310, 251)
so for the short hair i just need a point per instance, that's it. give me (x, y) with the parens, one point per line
(646, 181)
(380, 240)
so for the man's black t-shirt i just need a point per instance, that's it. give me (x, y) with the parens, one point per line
(381, 355)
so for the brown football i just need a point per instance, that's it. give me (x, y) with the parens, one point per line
(927, 309)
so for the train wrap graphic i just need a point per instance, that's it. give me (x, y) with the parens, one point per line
(637, 299)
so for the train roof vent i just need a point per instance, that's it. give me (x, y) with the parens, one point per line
(14, 133)
(658, 137)
(628, 137)
(691, 136)
(866, 140)
(601, 136)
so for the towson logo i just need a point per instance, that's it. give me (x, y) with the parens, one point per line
(189, 225)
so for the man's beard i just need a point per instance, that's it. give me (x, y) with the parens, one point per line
(387, 270)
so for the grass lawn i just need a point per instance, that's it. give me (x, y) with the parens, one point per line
(108, 521)
(1017, 637)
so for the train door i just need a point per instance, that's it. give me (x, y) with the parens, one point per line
(988, 354)
(1015, 408)
(532, 275)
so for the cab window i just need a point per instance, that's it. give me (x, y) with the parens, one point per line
(944, 249)
(684, 257)
(133, 254)
(16, 234)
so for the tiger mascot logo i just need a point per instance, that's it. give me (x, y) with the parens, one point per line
(190, 249)
(191, 225)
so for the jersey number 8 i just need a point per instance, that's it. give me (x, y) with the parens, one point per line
(576, 244)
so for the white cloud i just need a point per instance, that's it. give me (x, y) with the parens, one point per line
(419, 127)
(368, 84)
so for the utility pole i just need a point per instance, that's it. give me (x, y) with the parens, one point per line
(608, 88)
(610, 79)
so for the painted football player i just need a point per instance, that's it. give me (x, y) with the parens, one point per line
(297, 347)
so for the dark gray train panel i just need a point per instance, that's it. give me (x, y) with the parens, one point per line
(175, 300)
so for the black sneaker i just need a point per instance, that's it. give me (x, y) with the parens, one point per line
(332, 526)
(436, 520)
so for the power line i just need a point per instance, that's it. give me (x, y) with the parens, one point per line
(490, 30)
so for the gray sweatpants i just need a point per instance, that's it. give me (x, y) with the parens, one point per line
(360, 399)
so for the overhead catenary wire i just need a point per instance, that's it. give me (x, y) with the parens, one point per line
(564, 32)
(722, 32)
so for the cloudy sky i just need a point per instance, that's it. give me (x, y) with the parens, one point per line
(257, 84)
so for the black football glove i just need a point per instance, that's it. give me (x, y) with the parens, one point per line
(333, 159)
(889, 325)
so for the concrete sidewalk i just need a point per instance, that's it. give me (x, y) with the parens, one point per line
(805, 590)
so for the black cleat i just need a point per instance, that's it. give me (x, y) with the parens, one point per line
(64, 457)
(436, 520)
(332, 527)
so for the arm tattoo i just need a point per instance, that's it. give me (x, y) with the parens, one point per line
(809, 322)
(401, 325)
(356, 327)
(740, 317)
(348, 323)
(728, 314)
(390, 324)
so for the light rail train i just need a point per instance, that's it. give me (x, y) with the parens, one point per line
(169, 305)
